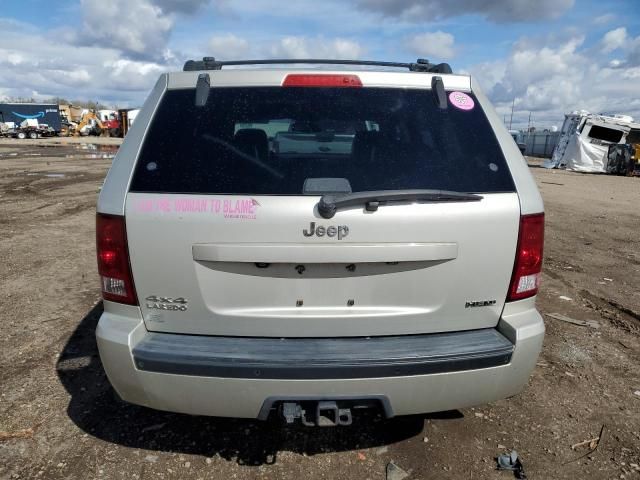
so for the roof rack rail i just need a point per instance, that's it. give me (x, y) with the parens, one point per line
(210, 63)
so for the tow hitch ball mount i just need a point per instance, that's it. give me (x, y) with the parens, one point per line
(326, 414)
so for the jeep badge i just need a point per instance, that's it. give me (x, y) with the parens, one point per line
(340, 231)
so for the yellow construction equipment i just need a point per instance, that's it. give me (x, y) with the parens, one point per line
(635, 159)
(97, 127)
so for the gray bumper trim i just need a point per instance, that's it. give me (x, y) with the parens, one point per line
(321, 358)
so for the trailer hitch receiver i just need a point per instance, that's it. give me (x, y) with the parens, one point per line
(321, 414)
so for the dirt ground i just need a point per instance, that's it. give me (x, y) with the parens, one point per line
(59, 418)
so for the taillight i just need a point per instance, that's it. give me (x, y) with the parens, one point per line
(321, 80)
(528, 265)
(113, 260)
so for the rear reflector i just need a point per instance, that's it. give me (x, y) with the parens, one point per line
(528, 265)
(321, 80)
(113, 260)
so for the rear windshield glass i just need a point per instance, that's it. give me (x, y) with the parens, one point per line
(279, 141)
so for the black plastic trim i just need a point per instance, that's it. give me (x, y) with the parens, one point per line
(421, 64)
(321, 358)
(382, 400)
(203, 88)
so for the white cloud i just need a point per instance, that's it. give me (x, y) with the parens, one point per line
(316, 47)
(120, 47)
(342, 48)
(494, 10)
(620, 41)
(129, 75)
(39, 65)
(614, 39)
(14, 59)
(439, 45)
(632, 49)
(488, 74)
(228, 46)
(551, 80)
(137, 28)
(604, 19)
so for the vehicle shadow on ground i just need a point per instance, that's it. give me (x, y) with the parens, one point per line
(96, 409)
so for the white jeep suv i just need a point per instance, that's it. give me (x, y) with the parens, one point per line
(307, 240)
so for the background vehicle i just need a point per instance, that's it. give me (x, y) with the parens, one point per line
(110, 121)
(519, 139)
(395, 268)
(586, 140)
(43, 113)
(29, 128)
(90, 124)
(112, 125)
(325, 137)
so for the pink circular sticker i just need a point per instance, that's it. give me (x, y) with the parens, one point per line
(461, 100)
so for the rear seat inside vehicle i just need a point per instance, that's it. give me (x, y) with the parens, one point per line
(253, 142)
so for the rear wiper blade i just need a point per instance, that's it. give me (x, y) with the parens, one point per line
(329, 204)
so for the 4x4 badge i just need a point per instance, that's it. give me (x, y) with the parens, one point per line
(167, 303)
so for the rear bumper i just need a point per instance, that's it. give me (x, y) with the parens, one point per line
(321, 358)
(232, 378)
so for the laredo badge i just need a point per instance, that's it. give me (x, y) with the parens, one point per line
(167, 303)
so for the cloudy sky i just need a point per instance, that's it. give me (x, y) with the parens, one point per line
(554, 57)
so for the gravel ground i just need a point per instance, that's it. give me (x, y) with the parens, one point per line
(59, 418)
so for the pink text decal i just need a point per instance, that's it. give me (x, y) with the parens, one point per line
(241, 208)
(461, 100)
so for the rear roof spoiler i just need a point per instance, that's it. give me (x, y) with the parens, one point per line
(421, 64)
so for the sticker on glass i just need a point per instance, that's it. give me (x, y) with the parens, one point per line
(461, 100)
